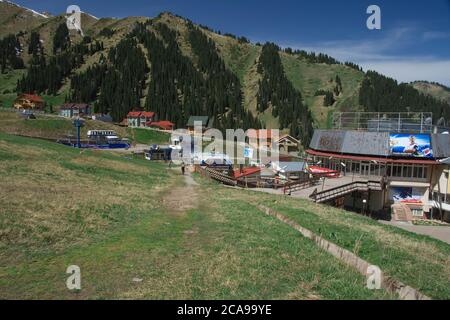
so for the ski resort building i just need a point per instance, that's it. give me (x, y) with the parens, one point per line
(29, 102)
(140, 119)
(392, 160)
(74, 110)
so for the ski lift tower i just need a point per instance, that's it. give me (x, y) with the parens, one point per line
(78, 123)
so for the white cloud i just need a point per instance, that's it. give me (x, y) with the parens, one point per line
(435, 35)
(411, 70)
(379, 55)
(356, 50)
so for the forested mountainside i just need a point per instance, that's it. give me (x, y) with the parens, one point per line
(381, 94)
(173, 67)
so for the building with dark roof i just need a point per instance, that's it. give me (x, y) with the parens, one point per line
(408, 163)
(74, 110)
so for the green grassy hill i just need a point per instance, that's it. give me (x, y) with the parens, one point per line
(54, 127)
(309, 77)
(242, 59)
(119, 219)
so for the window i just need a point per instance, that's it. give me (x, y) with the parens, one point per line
(417, 213)
(396, 170)
(408, 172)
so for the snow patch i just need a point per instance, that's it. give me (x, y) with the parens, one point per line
(35, 13)
(90, 15)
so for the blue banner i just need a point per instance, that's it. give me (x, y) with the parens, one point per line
(411, 145)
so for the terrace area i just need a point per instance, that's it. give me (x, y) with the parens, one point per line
(394, 122)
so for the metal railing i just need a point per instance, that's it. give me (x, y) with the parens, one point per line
(300, 185)
(401, 122)
(320, 197)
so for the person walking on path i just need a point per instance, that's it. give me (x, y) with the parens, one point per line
(183, 168)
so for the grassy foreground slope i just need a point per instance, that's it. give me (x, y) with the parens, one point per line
(418, 261)
(120, 219)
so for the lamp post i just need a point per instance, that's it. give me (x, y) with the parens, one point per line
(344, 167)
(364, 206)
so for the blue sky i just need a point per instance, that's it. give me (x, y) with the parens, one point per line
(413, 44)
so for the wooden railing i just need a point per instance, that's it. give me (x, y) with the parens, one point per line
(256, 182)
(343, 190)
(300, 185)
(216, 175)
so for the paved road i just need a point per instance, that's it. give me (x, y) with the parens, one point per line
(440, 233)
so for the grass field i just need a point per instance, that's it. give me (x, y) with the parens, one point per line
(144, 136)
(419, 261)
(120, 219)
(53, 127)
(8, 83)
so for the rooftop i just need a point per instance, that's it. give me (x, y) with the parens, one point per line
(68, 106)
(138, 114)
(31, 97)
(246, 172)
(399, 122)
(389, 145)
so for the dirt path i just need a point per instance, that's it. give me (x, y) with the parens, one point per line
(184, 196)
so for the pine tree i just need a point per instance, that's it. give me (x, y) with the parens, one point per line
(277, 91)
(61, 39)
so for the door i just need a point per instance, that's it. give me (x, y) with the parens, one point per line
(365, 169)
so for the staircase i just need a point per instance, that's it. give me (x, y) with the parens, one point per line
(300, 185)
(340, 191)
(402, 213)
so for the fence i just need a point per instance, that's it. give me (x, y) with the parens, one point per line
(256, 182)
(405, 122)
(343, 190)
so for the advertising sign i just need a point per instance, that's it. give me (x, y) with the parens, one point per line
(406, 195)
(411, 145)
(248, 153)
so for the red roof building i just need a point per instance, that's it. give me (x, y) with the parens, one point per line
(246, 172)
(163, 125)
(140, 119)
(29, 102)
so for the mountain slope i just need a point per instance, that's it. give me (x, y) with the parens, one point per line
(324, 85)
(435, 90)
(15, 18)
(239, 56)
(310, 77)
